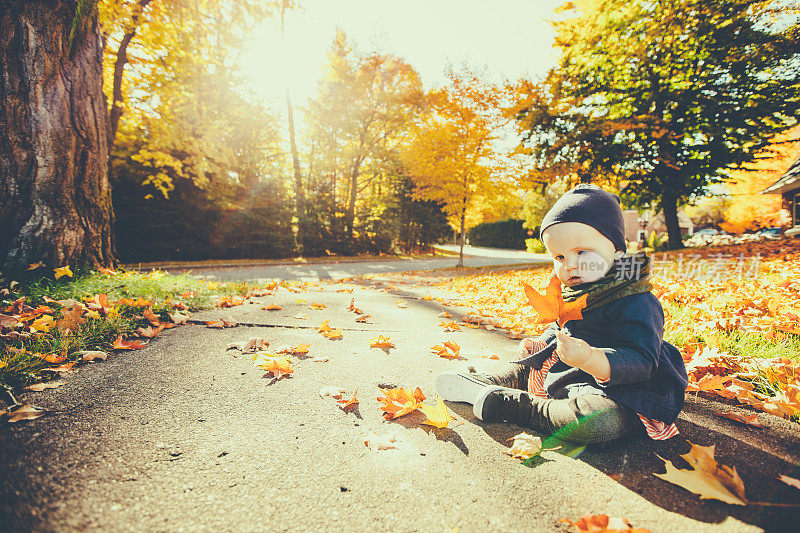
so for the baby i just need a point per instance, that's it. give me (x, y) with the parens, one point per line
(595, 379)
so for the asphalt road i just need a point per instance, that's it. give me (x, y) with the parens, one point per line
(186, 436)
(474, 257)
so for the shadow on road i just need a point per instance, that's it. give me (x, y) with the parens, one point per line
(632, 461)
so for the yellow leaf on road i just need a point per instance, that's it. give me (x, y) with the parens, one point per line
(708, 479)
(438, 415)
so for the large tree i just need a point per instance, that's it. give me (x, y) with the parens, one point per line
(667, 96)
(452, 151)
(55, 199)
(365, 101)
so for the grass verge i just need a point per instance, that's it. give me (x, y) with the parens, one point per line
(49, 341)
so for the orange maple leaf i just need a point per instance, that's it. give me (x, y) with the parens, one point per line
(121, 344)
(398, 402)
(603, 523)
(344, 403)
(381, 342)
(277, 366)
(551, 306)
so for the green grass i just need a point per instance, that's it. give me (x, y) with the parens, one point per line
(18, 364)
(752, 347)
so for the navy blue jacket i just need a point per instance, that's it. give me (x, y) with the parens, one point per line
(647, 374)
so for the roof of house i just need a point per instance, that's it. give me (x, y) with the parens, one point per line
(788, 182)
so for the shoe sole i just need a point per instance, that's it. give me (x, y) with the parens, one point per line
(456, 387)
(477, 407)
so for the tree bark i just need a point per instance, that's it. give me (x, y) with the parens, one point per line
(669, 205)
(56, 199)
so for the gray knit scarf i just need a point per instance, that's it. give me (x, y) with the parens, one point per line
(630, 274)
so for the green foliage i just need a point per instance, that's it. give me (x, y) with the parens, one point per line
(535, 246)
(503, 234)
(656, 242)
(663, 96)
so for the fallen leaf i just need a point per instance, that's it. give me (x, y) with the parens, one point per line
(65, 367)
(62, 271)
(362, 318)
(92, 355)
(344, 403)
(34, 266)
(381, 442)
(151, 316)
(317, 306)
(398, 402)
(381, 342)
(279, 367)
(402, 305)
(150, 332)
(330, 390)
(603, 524)
(445, 314)
(450, 326)
(38, 387)
(455, 348)
(790, 481)
(301, 316)
(708, 479)
(43, 323)
(550, 306)
(750, 420)
(524, 446)
(121, 344)
(52, 357)
(300, 349)
(178, 318)
(272, 307)
(250, 345)
(25, 411)
(437, 415)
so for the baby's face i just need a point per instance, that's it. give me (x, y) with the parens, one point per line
(581, 254)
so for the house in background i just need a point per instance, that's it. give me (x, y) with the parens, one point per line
(788, 186)
(637, 227)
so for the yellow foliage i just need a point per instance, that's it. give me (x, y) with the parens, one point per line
(750, 209)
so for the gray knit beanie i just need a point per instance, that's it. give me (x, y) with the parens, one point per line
(589, 204)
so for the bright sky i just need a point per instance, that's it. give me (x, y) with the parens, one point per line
(502, 38)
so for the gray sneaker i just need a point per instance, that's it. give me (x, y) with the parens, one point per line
(460, 386)
(501, 403)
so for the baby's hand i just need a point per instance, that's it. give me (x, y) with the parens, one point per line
(572, 351)
(525, 347)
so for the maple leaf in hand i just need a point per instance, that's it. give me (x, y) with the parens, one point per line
(551, 306)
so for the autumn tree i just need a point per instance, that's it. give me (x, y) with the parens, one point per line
(365, 102)
(186, 114)
(748, 209)
(666, 96)
(56, 200)
(451, 151)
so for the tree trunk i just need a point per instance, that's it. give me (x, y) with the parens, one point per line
(299, 196)
(351, 201)
(463, 234)
(669, 205)
(56, 199)
(117, 98)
